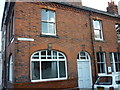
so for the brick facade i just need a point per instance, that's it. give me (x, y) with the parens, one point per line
(73, 27)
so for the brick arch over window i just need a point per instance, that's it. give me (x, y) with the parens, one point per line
(48, 65)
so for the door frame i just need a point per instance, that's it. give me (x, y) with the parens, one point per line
(89, 61)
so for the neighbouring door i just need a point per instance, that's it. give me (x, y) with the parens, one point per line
(84, 70)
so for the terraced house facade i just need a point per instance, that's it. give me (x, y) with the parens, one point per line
(58, 45)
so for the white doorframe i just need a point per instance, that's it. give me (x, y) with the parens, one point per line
(84, 59)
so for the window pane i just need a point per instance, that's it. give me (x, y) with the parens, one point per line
(49, 55)
(119, 57)
(102, 68)
(117, 65)
(111, 58)
(82, 54)
(43, 52)
(99, 70)
(35, 70)
(44, 14)
(36, 56)
(112, 67)
(44, 27)
(97, 33)
(54, 55)
(102, 57)
(115, 57)
(52, 28)
(98, 57)
(61, 56)
(62, 70)
(96, 24)
(49, 69)
(43, 55)
(51, 16)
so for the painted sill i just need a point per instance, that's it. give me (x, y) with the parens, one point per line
(99, 40)
(49, 36)
(48, 80)
(118, 41)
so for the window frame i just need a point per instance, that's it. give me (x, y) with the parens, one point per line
(113, 61)
(104, 62)
(117, 28)
(48, 22)
(50, 60)
(100, 30)
(84, 57)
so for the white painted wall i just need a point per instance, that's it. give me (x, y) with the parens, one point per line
(119, 7)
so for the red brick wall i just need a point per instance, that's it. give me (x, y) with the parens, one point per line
(73, 30)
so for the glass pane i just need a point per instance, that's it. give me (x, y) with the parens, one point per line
(62, 70)
(115, 57)
(36, 56)
(43, 55)
(82, 53)
(54, 55)
(112, 67)
(105, 80)
(51, 16)
(52, 28)
(111, 58)
(44, 14)
(102, 57)
(49, 69)
(43, 52)
(35, 70)
(99, 68)
(97, 33)
(98, 57)
(118, 56)
(60, 56)
(96, 24)
(117, 65)
(44, 27)
(102, 68)
(49, 55)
